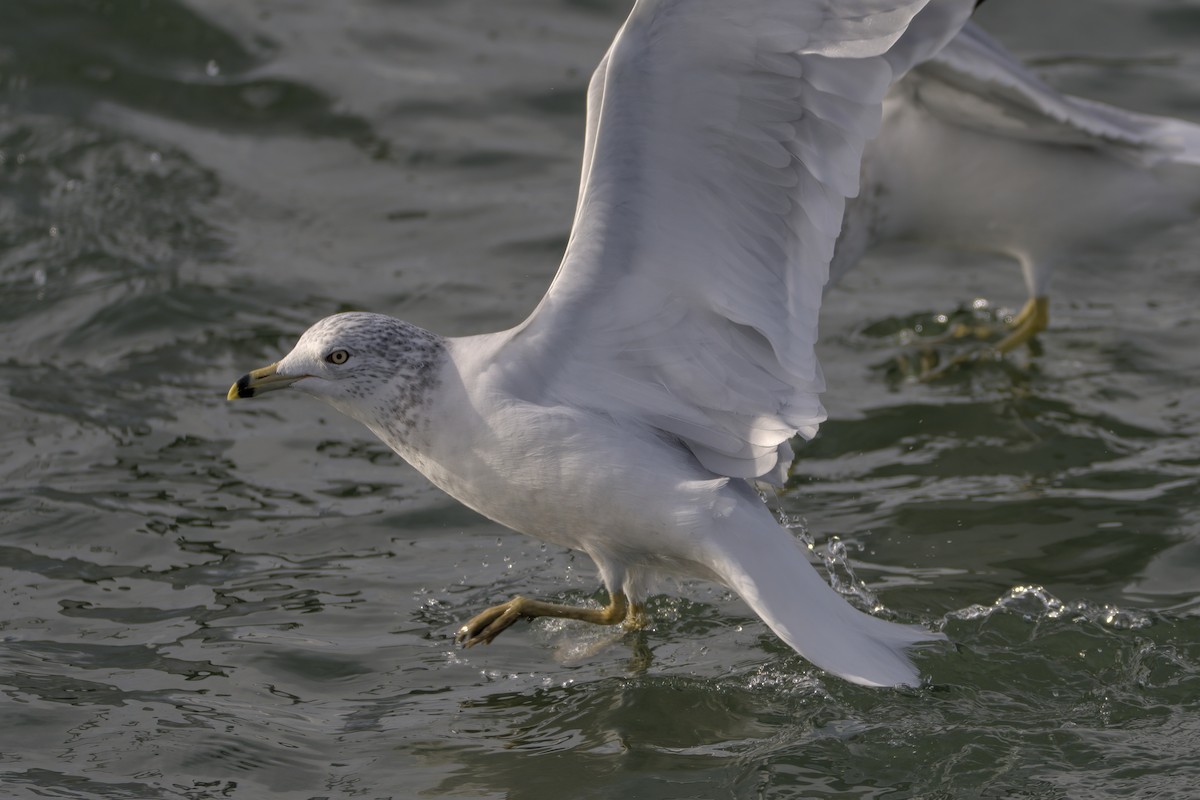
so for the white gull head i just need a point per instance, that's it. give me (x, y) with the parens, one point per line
(374, 368)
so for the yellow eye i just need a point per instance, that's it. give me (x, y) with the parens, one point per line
(338, 357)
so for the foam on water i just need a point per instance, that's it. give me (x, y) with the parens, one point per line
(1034, 603)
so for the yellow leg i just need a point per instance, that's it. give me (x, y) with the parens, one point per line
(1032, 320)
(489, 624)
(637, 620)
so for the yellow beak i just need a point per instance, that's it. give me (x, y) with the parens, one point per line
(259, 381)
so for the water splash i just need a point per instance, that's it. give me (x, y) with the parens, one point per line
(834, 555)
(1034, 603)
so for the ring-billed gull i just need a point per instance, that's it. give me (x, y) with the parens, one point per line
(672, 359)
(976, 151)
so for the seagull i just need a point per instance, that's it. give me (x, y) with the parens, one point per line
(978, 152)
(672, 359)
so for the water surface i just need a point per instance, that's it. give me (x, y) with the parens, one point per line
(208, 601)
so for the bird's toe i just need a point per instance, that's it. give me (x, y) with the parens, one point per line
(489, 623)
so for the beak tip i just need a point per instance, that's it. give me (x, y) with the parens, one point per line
(241, 389)
(254, 383)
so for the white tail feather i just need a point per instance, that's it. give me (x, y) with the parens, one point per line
(769, 570)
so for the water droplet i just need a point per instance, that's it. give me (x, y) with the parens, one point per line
(211, 69)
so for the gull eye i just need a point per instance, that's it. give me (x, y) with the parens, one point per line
(338, 357)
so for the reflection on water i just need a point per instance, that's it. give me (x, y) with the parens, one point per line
(206, 602)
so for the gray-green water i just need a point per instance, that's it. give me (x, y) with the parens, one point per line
(199, 600)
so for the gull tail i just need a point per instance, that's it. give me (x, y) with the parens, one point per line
(763, 563)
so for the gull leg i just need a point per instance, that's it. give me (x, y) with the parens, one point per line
(1032, 320)
(637, 620)
(489, 624)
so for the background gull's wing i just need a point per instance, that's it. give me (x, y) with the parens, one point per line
(976, 83)
(723, 141)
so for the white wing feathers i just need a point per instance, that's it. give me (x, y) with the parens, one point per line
(723, 141)
(975, 82)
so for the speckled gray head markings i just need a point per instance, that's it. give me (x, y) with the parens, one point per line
(387, 352)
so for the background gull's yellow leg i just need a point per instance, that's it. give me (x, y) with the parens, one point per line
(1032, 320)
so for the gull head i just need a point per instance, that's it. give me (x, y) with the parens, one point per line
(364, 365)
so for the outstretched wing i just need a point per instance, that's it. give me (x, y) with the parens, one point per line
(975, 82)
(724, 138)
